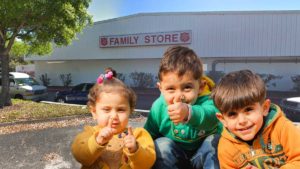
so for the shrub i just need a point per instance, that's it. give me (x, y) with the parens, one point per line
(268, 78)
(66, 79)
(142, 79)
(45, 80)
(296, 81)
(121, 76)
(215, 75)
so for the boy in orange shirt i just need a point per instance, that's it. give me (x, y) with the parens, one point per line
(256, 133)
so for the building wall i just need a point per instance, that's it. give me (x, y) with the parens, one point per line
(89, 70)
(282, 67)
(258, 35)
(214, 34)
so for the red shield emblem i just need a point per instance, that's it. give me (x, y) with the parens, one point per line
(184, 37)
(103, 41)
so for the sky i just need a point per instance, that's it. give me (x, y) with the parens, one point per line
(108, 9)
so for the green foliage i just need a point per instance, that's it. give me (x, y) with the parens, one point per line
(17, 53)
(142, 79)
(38, 24)
(296, 81)
(269, 78)
(66, 79)
(45, 80)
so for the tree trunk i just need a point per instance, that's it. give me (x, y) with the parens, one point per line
(5, 97)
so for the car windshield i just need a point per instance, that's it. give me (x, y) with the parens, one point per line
(26, 81)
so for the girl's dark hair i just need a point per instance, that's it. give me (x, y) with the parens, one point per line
(180, 59)
(237, 90)
(113, 85)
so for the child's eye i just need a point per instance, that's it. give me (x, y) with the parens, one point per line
(121, 110)
(170, 89)
(106, 110)
(188, 87)
(248, 109)
(232, 114)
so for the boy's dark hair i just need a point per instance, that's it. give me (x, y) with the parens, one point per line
(180, 59)
(237, 90)
(113, 85)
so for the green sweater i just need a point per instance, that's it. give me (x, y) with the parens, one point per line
(190, 135)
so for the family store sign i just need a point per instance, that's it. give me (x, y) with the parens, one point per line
(145, 39)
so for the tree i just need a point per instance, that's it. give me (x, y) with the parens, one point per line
(16, 54)
(38, 24)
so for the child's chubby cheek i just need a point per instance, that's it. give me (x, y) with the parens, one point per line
(169, 100)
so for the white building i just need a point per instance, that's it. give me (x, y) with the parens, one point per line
(267, 42)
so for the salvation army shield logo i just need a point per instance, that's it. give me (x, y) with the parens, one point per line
(103, 41)
(184, 37)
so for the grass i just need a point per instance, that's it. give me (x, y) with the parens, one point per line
(23, 110)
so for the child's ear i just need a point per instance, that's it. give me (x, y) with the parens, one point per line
(93, 111)
(220, 117)
(266, 107)
(202, 83)
(158, 85)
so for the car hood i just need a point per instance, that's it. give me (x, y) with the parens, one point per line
(34, 87)
(294, 99)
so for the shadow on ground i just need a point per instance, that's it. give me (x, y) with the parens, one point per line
(42, 149)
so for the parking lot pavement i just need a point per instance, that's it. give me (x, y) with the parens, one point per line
(42, 149)
(144, 100)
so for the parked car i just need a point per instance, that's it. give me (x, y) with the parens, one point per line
(23, 86)
(291, 108)
(76, 95)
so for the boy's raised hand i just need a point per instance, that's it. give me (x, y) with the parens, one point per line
(130, 141)
(105, 134)
(178, 111)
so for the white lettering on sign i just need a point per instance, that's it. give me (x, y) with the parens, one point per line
(144, 39)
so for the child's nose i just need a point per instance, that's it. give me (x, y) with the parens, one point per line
(242, 119)
(180, 95)
(178, 98)
(114, 115)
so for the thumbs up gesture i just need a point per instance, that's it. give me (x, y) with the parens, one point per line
(178, 111)
(130, 141)
(106, 133)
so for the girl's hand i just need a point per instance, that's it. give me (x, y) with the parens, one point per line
(105, 134)
(130, 141)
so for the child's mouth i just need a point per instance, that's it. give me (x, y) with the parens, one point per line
(246, 129)
(114, 125)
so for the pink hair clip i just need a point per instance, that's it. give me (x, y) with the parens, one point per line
(109, 75)
(102, 77)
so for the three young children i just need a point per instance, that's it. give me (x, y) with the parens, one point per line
(184, 122)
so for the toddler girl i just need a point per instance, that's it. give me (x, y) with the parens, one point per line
(111, 144)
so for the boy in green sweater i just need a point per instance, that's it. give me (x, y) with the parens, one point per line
(181, 122)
